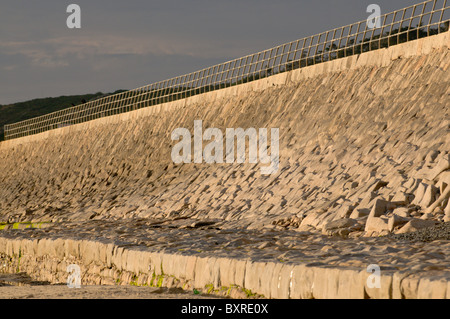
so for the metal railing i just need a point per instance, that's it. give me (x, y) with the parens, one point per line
(410, 23)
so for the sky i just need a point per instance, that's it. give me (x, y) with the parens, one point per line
(129, 44)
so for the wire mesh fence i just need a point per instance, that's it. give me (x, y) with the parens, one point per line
(417, 21)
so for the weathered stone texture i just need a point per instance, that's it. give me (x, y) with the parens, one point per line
(364, 138)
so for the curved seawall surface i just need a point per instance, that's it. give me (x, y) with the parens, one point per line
(363, 148)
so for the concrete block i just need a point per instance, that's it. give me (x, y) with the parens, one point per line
(168, 263)
(380, 207)
(433, 287)
(296, 76)
(106, 253)
(71, 248)
(377, 224)
(385, 289)
(283, 289)
(414, 225)
(58, 248)
(156, 261)
(179, 265)
(448, 282)
(190, 267)
(275, 280)
(89, 251)
(132, 263)
(116, 259)
(252, 275)
(409, 286)
(326, 283)
(214, 267)
(397, 278)
(16, 247)
(302, 282)
(204, 272)
(42, 247)
(3, 244)
(351, 284)
(226, 271)
(240, 271)
(266, 275)
(124, 259)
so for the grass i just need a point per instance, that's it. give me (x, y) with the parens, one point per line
(157, 281)
(17, 225)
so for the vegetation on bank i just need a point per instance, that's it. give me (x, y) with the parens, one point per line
(21, 111)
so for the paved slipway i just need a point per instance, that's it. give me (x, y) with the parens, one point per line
(363, 180)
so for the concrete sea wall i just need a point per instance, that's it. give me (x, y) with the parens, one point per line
(104, 262)
(361, 138)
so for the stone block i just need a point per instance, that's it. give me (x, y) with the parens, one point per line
(414, 225)
(443, 181)
(253, 272)
(447, 212)
(339, 223)
(377, 224)
(397, 279)
(401, 212)
(442, 165)
(351, 284)
(326, 283)
(380, 207)
(190, 268)
(169, 263)
(433, 287)
(143, 262)
(396, 221)
(227, 271)
(284, 283)
(89, 251)
(384, 290)
(266, 280)
(239, 274)
(443, 199)
(403, 198)
(409, 286)
(448, 282)
(420, 192)
(359, 212)
(429, 196)
(214, 267)
(116, 258)
(106, 254)
(317, 219)
(344, 211)
(202, 272)
(302, 282)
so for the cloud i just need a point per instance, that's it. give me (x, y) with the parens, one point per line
(35, 54)
(62, 51)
